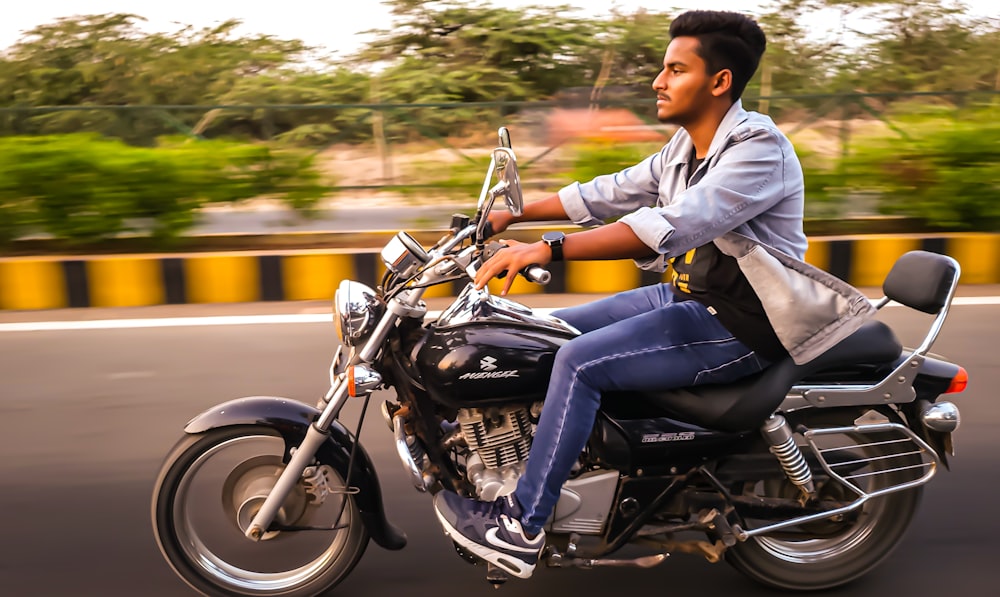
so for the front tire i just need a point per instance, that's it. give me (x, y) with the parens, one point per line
(831, 553)
(208, 488)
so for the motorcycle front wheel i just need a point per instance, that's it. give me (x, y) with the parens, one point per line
(830, 553)
(210, 487)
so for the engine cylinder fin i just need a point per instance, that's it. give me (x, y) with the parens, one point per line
(501, 438)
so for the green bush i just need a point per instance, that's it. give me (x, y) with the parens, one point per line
(85, 188)
(825, 189)
(594, 159)
(945, 171)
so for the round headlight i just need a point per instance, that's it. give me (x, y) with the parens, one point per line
(357, 309)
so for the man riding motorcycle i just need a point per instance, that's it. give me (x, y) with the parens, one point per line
(722, 204)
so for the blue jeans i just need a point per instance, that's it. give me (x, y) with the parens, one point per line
(637, 340)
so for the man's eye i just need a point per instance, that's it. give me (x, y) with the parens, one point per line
(676, 71)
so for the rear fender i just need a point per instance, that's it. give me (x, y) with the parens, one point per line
(291, 419)
(932, 382)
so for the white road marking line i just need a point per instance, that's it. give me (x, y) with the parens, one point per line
(327, 318)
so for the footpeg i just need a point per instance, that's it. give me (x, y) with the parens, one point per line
(495, 575)
(465, 555)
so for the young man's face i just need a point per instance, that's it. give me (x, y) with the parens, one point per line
(683, 88)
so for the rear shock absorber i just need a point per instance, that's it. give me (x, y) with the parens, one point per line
(779, 435)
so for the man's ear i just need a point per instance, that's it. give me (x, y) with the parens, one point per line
(722, 83)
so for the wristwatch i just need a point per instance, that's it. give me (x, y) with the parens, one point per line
(555, 240)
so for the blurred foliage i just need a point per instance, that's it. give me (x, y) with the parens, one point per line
(941, 169)
(442, 70)
(459, 179)
(85, 188)
(476, 52)
(450, 51)
(918, 45)
(597, 158)
(825, 185)
(945, 171)
(108, 60)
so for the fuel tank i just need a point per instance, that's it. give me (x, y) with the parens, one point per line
(486, 350)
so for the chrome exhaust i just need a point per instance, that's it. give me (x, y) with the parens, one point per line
(941, 416)
(406, 445)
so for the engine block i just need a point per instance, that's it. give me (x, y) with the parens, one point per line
(499, 440)
(500, 436)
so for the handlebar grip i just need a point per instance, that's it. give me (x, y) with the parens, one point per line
(532, 273)
(537, 274)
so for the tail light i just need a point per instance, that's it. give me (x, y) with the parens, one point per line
(959, 382)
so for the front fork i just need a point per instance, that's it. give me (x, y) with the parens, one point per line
(356, 380)
(302, 457)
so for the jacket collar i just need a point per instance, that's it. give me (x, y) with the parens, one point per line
(733, 118)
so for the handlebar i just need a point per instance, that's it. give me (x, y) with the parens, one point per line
(536, 274)
(532, 273)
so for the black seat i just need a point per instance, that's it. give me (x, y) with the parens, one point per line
(745, 404)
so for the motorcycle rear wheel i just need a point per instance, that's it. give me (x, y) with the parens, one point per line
(840, 551)
(211, 483)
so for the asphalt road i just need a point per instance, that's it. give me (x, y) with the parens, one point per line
(87, 416)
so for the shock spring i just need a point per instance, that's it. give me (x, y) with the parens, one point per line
(779, 435)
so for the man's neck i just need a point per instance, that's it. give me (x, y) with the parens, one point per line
(703, 130)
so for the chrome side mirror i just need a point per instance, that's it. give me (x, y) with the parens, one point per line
(504, 136)
(506, 169)
(503, 164)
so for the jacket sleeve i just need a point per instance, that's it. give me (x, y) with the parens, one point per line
(613, 195)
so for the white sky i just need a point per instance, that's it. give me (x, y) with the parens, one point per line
(331, 24)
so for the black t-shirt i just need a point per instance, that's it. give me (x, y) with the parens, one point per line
(714, 279)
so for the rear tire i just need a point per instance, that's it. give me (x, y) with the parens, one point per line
(841, 551)
(201, 538)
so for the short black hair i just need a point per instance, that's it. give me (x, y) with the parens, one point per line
(727, 40)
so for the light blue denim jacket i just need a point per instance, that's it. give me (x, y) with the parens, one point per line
(747, 197)
(750, 183)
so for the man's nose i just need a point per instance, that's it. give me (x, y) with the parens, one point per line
(659, 81)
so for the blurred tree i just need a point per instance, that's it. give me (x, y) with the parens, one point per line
(797, 64)
(628, 52)
(449, 51)
(476, 52)
(107, 60)
(920, 45)
(334, 85)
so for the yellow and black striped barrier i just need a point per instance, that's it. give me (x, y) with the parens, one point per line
(29, 283)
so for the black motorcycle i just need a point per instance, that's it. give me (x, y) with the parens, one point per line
(802, 477)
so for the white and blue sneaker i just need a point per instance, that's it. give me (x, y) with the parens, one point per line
(491, 531)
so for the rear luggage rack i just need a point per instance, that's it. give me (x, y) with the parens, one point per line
(904, 452)
(899, 451)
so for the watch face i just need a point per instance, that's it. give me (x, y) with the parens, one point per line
(553, 237)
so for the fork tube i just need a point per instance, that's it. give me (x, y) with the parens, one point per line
(317, 434)
(302, 457)
(332, 410)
